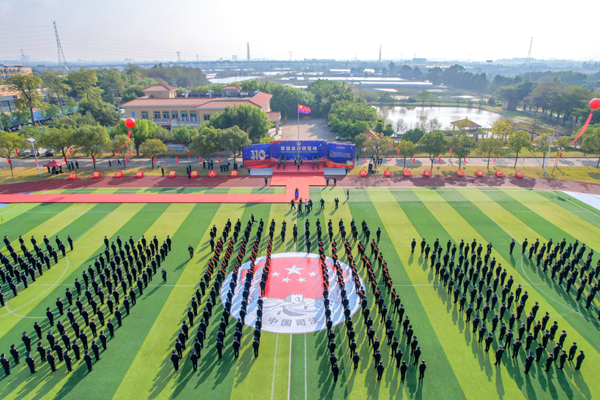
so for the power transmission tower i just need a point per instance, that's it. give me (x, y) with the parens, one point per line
(528, 61)
(23, 58)
(178, 56)
(379, 53)
(248, 47)
(62, 61)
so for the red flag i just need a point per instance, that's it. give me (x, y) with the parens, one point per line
(465, 160)
(398, 151)
(495, 158)
(200, 158)
(94, 158)
(8, 161)
(154, 159)
(523, 159)
(129, 152)
(35, 161)
(17, 152)
(439, 159)
(303, 109)
(219, 159)
(126, 160)
(189, 153)
(176, 160)
(414, 159)
(450, 150)
(70, 152)
(366, 159)
(64, 159)
(390, 158)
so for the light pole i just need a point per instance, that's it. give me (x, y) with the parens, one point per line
(32, 141)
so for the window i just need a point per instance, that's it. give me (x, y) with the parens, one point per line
(144, 114)
(165, 115)
(174, 114)
(184, 114)
(193, 114)
(156, 114)
(206, 117)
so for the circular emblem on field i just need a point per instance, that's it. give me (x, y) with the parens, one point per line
(427, 173)
(212, 173)
(362, 173)
(460, 173)
(293, 299)
(194, 174)
(72, 176)
(499, 174)
(96, 175)
(479, 173)
(172, 174)
(119, 174)
(519, 174)
(233, 173)
(406, 173)
(387, 173)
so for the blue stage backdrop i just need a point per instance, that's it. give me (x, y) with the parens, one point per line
(265, 155)
(308, 149)
(340, 155)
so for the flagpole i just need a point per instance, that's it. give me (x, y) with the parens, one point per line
(298, 132)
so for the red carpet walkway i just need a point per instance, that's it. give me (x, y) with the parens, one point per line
(302, 180)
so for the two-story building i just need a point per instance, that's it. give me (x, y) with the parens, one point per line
(162, 105)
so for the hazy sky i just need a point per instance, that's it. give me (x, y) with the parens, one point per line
(434, 29)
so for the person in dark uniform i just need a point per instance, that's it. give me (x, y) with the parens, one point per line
(5, 364)
(26, 341)
(15, 353)
(96, 350)
(191, 250)
(175, 360)
(30, 363)
(336, 371)
(255, 345)
(380, 369)
(88, 361)
(499, 353)
(549, 362)
(355, 359)
(51, 361)
(422, 368)
(580, 359)
(512, 246)
(528, 362)
(68, 361)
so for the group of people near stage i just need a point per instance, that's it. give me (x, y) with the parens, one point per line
(108, 283)
(29, 265)
(495, 302)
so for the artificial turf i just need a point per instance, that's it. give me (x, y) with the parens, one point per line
(136, 364)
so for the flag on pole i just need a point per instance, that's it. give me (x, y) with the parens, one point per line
(154, 160)
(126, 160)
(465, 160)
(65, 159)
(176, 160)
(390, 158)
(70, 152)
(303, 109)
(495, 158)
(450, 150)
(189, 153)
(200, 158)
(414, 159)
(129, 152)
(17, 152)
(8, 161)
(398, 152)
(439, 159)
(35, 161)
(94, 158)
(219, 159)
(366, 161)
(523, 160)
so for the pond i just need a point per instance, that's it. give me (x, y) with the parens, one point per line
(415, 115)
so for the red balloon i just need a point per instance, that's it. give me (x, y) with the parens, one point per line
(595, 104)
(130, 123)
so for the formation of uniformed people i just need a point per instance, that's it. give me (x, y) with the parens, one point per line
(127, 266)
(495, 303)
(29, 265)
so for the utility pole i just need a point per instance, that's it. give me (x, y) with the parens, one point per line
(178, 56)
(23, 58)
(62, 61)
(528, 61)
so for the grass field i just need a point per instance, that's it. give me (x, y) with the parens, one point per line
(136, 364)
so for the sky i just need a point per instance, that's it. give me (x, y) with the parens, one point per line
(435, 29)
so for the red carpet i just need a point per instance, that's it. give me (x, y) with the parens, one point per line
(301, 180)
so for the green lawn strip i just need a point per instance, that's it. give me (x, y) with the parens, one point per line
(448, 348)
(254, 377)
(13, 210)
(166, 220)
(571, 204)
(66, 223)
(577, 225)
(185, 223)
(83, 254)
(28, 221)
(458, 208)
(240, 191)
(127, 190)
(521, 224)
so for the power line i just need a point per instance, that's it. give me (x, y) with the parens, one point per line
(59, 48)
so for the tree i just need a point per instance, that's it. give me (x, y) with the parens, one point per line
(184, 134)
(235, 140)
(84, 82)
(359, 141)
(58, 139)
(9, 142)
(490, 147)
(153, 147)
(379, 145)
(517, 141)
(563, 143)
(51, 111)
(423, 96)
(591, 142)
(104, 113)
(461, 147)
(144, 129)
(266, 139)
(414, 135)
(93, 140)
(248, 118)
(542, 143)
(29, 95)
(121, 146)
(501, 129)
(406, 149)
(434, 144)
(73, 121)
(206, 142)
(131, 93)
(400, 126)
(56, 83)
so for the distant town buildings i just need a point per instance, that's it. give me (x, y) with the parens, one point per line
(8, 70)
(168, 108)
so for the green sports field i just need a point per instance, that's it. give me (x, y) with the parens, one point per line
(136, 364)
